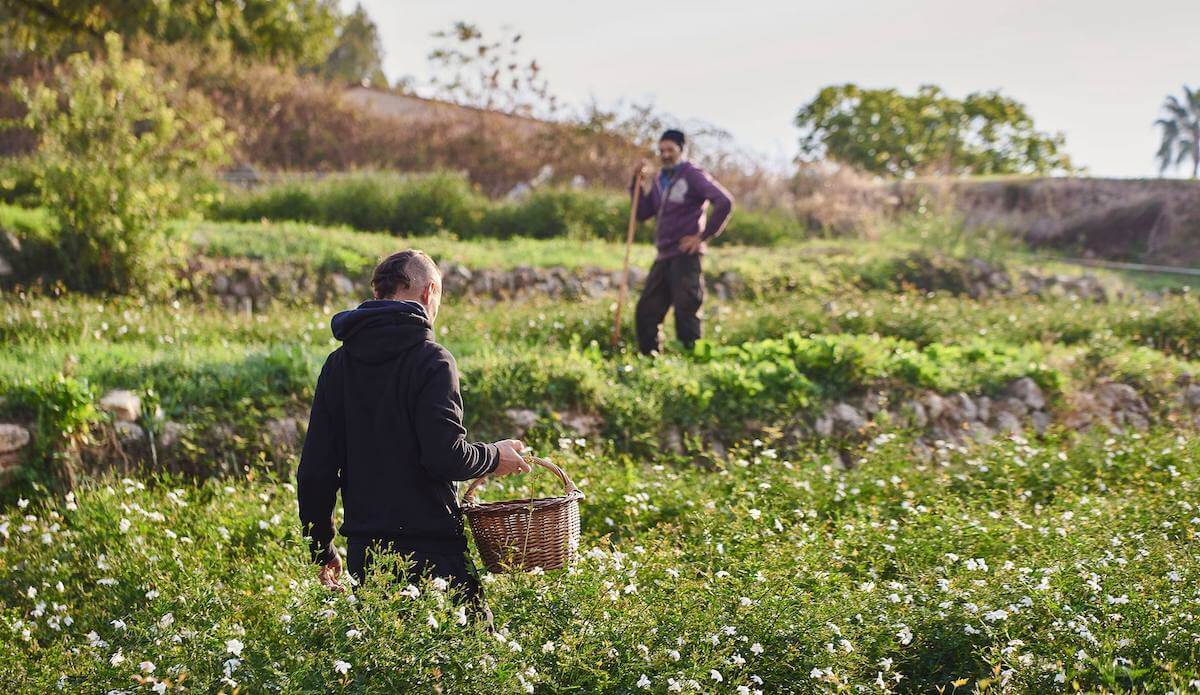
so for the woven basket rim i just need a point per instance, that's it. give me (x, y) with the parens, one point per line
(522, 504)
(469, 501)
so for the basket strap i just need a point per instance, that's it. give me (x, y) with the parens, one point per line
(569, 488)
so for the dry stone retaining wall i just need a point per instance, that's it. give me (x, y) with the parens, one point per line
(957, 418)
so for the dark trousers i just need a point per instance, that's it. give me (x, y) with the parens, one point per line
(672, 283)
(455, 568)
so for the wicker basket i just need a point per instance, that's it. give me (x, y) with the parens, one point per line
(519, 535)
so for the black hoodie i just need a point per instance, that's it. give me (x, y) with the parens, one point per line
(386, 428)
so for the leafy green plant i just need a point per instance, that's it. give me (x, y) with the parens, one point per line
(64, 412)
(115, 158)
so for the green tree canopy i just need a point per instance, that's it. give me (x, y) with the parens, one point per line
(357, 58)
(885, 132)
(299, 31)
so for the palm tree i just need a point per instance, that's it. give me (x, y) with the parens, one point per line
(1180, 131)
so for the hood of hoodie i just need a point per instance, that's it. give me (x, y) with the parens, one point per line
(381, 329)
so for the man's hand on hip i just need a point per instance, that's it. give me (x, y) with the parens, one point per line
(511, 460)
(330, 572)
(690, 244)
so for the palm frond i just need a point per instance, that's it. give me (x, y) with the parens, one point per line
(1170, 132)
(1180, 128)
(1193, 100)
(1176, 109)
(1185, 150)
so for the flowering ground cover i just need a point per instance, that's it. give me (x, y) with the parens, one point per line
(1021, 566)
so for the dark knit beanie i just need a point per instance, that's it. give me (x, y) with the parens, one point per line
(675, 136)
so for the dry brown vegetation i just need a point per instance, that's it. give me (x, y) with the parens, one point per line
(288, 122)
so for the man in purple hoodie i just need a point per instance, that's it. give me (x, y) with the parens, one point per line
(677, 197)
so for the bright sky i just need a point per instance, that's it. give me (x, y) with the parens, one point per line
(1097, 70)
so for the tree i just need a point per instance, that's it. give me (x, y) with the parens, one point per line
(473, 71)
(295, 31)
(884, 132)
(357, 58)
(117, 150)
(1180, 131)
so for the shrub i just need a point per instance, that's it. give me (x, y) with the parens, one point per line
(64, 411)
(447, 202)
(375, 201)
(116, 158)
(761, 228)
(560, 212)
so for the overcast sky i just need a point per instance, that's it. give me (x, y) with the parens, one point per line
(1097, 70)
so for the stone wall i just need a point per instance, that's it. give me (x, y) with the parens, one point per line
(936, 419)
(14, 439)
(248, 284)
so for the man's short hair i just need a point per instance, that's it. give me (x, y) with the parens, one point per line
(401, 271)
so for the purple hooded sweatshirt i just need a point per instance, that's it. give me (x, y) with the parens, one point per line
(680, 208)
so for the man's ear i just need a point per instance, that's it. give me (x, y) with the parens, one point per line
(427, 293)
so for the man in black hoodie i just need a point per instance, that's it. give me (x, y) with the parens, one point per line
(386, 429)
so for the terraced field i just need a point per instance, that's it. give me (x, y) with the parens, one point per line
(900, 465)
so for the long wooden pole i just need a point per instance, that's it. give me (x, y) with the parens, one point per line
(637, 185)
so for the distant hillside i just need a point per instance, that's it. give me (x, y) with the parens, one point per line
(288, 122)
(1144, 220)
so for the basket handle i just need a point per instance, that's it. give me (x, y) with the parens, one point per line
(569, 488)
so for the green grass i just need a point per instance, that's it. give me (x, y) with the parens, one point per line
(200, 360)
(354, 253)
(346, 250)
(23, 221)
